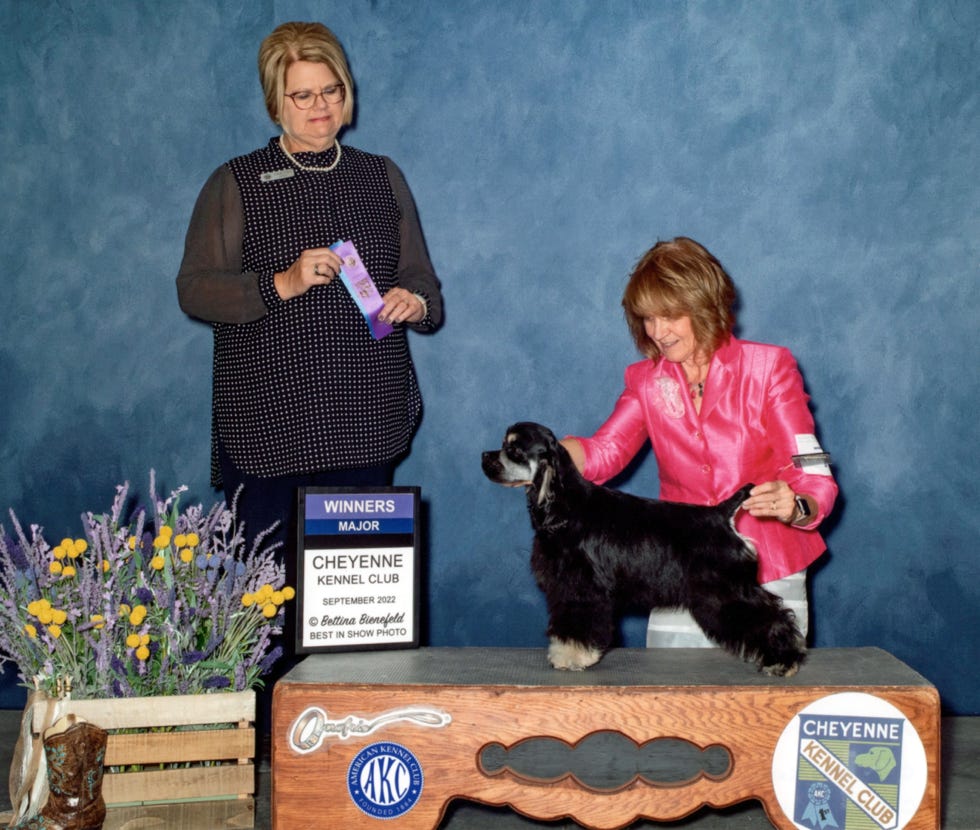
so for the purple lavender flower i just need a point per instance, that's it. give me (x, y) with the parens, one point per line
(216, 681)
(270, 660)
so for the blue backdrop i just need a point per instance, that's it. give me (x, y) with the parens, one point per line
(826, 152)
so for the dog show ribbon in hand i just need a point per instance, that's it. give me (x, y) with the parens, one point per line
(361, 287)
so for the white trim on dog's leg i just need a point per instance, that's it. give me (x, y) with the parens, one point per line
(571, 655)
(750, 547)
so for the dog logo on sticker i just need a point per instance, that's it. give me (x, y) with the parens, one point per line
(385, 780)
(849, 761)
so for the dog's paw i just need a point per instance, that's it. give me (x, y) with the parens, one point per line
(781, 669)
(786, 664)
(572, 656)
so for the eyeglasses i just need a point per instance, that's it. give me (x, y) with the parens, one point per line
(305, 99)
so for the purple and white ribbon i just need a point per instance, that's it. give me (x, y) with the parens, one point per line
(361, 287)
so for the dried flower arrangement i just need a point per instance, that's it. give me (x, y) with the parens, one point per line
(166, 604)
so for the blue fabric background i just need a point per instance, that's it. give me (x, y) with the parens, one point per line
(827, 153)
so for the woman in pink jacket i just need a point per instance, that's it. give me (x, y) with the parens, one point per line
(719, 412)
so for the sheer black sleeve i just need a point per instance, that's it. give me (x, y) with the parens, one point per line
(415, 271)
(210, 283)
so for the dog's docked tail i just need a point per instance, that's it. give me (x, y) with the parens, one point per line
(731, 505)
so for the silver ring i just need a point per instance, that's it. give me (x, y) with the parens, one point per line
(316, 269)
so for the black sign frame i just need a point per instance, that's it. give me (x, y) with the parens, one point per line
(355, 548)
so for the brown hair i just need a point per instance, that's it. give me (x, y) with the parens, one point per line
(293, 42)
(675, 279)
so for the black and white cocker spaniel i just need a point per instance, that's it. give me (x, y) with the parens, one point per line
(598, 551)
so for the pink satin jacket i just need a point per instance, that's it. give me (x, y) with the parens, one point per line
(753, 408)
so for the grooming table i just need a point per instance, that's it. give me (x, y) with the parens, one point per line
(646, 733)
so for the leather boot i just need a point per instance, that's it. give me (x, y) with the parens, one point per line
(75, 752)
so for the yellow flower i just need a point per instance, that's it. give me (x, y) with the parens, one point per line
(54, 631)
(133, 640)
(137, 615)
(157, 563)
(67, 544)
(55, 567)
(45, 615)
(60, 552)
(288, 591)
(98, 620)
(248, 600)
(144, 639)
(30, 631)
(68, 571)
(36, 607)
(131, 543)
(124, 610)
(142, 653)
(193, 540)
(277, 598)
(269, 610)
(105, 566)
(78, 547)
(58, 616)
(187, 556)
(164, 537)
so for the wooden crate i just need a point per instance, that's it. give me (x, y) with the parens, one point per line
(433, 715)
(213, 735)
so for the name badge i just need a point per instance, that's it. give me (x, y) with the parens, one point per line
(275, 175)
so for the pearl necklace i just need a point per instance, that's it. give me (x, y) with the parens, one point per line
(309, 169)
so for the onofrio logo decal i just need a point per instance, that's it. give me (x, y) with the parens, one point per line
(850, 760)
(385, 780)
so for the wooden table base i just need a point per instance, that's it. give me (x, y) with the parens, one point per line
(396, 735)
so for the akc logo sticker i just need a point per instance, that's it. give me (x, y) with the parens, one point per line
(385, 780)
(850, 761)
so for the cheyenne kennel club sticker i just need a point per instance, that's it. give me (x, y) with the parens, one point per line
(851, 761)
(385, 780)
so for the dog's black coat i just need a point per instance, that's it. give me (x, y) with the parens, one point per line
(599, 551)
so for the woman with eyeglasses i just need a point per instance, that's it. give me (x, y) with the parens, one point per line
(308, 389)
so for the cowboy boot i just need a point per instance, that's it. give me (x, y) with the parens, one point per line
(75, 752)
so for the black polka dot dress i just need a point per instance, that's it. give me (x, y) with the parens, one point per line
(305, 387)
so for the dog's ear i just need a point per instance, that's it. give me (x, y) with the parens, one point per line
(544, 477)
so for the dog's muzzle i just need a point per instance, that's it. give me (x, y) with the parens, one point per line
(501, 470)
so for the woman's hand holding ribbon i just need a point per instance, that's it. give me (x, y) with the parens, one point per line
(315, 266)
(401, 306)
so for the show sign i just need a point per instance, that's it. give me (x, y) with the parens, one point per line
(358, 569)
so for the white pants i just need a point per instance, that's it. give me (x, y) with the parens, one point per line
(674, 628)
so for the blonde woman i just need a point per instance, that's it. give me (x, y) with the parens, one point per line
(719, 412)
(304, 393)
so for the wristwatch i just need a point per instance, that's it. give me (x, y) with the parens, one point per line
(802, 509)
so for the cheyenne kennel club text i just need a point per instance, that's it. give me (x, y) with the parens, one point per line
(340, 563)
